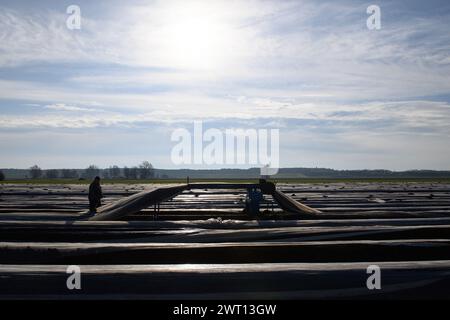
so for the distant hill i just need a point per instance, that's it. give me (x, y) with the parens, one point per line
(323, 173)
(254, 173)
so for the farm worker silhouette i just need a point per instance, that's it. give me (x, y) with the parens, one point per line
(95, 195)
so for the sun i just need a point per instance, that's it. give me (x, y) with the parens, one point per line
(197, 36)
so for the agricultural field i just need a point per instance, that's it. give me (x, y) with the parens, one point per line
(201, 244)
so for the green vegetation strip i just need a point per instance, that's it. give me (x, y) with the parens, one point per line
(165, 181)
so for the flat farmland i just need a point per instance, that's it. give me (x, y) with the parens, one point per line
(201, 244)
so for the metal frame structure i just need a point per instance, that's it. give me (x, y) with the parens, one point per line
(155, 195)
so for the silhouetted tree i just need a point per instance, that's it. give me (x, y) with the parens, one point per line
(131, 173)
(2, 175)
(69, 173)
(126, 172)
(91, 171)
(114, 172)
(35, 172)
(146, 170)
(52, 174)
(104, 174)
(134, 173)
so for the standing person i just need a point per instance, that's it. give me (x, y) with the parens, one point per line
(95, 195)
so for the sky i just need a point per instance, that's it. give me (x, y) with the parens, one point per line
(113, 92)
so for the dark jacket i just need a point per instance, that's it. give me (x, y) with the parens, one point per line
(95, 191)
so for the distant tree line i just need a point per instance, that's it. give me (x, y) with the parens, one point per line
(144, 171)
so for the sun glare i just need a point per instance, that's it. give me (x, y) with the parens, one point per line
(197, 36)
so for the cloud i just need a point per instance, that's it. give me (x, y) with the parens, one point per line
(399, 117)
(64, 107)
(290, 50)
(300, 65)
